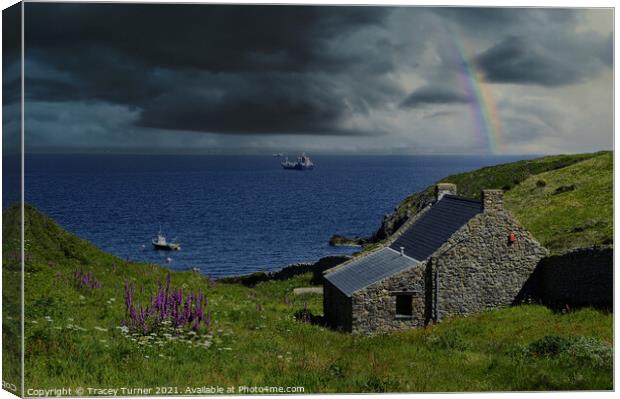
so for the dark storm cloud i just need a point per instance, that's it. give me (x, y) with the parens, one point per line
(267, 71)
(527, 61)
(145, 56)
(11, 54)
(237, 105)
(496, 19)
(517, 60)
(429, 95)
(215, 38)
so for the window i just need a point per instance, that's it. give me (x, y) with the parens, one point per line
(403, 306)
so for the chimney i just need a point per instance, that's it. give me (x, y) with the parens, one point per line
(442, 189)
(402, 251)
(492, 200)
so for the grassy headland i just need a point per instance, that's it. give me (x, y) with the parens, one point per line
(566, 201)
(74, 335)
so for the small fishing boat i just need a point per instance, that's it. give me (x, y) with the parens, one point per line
(161, 243)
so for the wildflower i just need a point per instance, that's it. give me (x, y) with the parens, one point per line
(85, 280)
(166, 309)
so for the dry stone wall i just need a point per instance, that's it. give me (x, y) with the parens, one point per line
(583, 277)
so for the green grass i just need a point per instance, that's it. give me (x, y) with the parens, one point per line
(561, 222)
(582, 216)
(11, 299)
(72, 337)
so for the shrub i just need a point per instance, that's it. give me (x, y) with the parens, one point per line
(564, 189)
(304, 315)
(590, 350)
(541, 183)
(549, 345)
(576, 350)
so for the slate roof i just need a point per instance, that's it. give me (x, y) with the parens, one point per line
(436, 226)
(362, 272)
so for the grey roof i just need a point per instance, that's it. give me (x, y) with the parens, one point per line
(362, 272)
(436, 226)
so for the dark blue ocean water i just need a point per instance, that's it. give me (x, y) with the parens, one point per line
(231, 214)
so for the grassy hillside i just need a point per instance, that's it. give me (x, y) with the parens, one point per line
(589, 202)
(568, 207)
(74, 335)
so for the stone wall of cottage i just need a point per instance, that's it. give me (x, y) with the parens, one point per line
(336, 307)
(480, 268)
(374, 307)
(582, 277)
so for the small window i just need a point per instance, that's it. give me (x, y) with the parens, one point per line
(403, 306)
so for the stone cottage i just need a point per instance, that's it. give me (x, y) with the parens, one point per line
(456, 257)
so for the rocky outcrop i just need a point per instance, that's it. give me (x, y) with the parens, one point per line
(317, 269)
(342, 241)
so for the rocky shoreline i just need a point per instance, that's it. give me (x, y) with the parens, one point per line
(317, 268)
(342, 241)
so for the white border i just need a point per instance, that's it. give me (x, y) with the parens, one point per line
(470, 3)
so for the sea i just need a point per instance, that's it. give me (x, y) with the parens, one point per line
(231, 214)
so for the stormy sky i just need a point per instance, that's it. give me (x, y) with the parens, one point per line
(255, 79)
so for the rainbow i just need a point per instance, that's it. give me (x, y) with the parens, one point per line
(486, 118)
